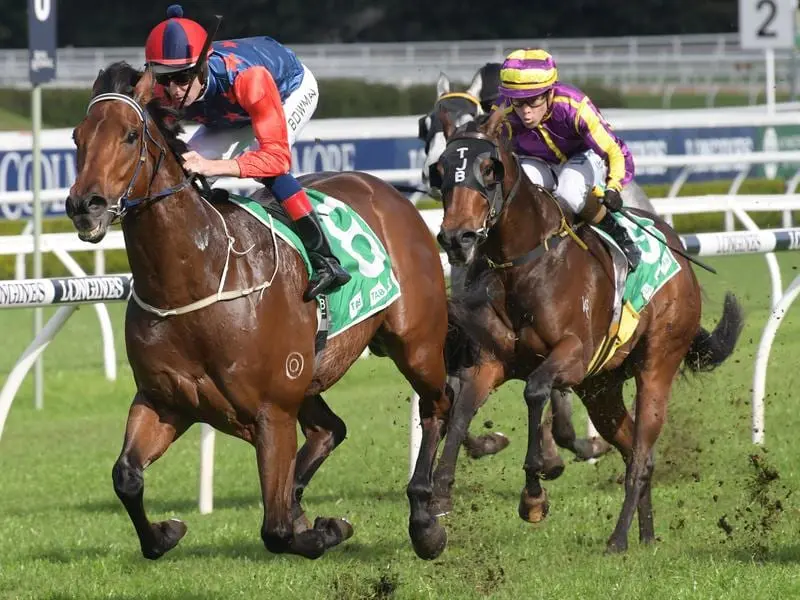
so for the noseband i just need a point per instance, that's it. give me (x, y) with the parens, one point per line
(125, 202)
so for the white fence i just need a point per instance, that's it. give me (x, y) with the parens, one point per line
(656, 62)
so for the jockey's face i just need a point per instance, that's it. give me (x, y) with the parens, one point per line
(180, 85)
(531, 110)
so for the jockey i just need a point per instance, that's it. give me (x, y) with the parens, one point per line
(564, 143)
(252, 97)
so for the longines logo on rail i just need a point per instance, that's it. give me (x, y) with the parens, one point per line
(739, 244)
(94, 288)
(12, 292)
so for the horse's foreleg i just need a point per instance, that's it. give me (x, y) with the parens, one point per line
(324, 431)
(563, 364)
(148, 434)
(476, 384)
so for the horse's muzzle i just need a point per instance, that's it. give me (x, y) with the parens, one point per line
(460, 245)
(90, 216)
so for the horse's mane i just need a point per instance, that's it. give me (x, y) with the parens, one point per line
(121, 78)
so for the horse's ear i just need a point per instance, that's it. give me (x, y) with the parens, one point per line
(494, 126)
(143, 92)
(96, 84)
(474, 88)
(442, 85)
(448, 127)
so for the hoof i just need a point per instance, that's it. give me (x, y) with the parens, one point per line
(614, 546)
(553, 468)
(428, 542)
(167, 534)
(441, 506)
(533, 509)
(648, 540)
(485, 445)
(587, 449)
(334, 531)
(308, 544)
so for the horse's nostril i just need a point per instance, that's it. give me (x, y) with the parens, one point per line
(467, 238)
(96, 203)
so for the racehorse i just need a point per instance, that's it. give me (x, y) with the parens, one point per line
(455, 109)
(216, 331)
(543, 305)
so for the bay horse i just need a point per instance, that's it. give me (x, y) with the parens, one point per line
(454, 109)
(216, 330)
(543, 302)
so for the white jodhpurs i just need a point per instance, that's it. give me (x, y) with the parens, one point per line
(226, 143)
(570, 182)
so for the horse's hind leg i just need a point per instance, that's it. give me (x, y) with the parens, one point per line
(324, 431)
(147, 436)
(603, 397)
(564, 433)
(635, 440)
(419, 354)
(652, 394)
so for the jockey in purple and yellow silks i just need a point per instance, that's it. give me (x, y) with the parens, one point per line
(564, 143)
(252, 98)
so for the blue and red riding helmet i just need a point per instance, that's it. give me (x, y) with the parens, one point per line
(174, 44)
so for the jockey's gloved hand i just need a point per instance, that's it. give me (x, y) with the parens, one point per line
(612, 200)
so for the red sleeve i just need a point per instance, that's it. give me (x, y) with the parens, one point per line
(256, 92)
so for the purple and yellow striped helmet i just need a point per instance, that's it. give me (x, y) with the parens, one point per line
(527, 73)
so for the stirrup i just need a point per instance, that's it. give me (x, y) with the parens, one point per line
(632, 254)
(328, 276)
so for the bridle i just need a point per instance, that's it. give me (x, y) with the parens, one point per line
(494, 194)
(124, 203)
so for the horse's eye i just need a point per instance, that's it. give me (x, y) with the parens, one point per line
(132, 137)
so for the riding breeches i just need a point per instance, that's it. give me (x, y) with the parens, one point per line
(570, 182)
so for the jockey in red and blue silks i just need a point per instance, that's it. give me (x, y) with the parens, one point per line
(252, 98)
(564, 143)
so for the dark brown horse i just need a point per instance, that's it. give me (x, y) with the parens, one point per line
(544, 305)
(450, 110)
(244, 361)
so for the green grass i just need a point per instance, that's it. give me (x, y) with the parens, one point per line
(12, 121)
(63, 534)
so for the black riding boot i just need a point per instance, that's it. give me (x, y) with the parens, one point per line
(328, 272)
(620, 235)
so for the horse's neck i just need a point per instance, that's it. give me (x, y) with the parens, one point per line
(527, 220)
(176, 249)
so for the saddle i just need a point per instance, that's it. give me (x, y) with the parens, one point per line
(266, 200)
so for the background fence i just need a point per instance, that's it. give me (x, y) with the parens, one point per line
(662, 64)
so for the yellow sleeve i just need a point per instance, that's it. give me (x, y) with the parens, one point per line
(597, 135)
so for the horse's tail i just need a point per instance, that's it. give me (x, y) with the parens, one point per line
(710, 350)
